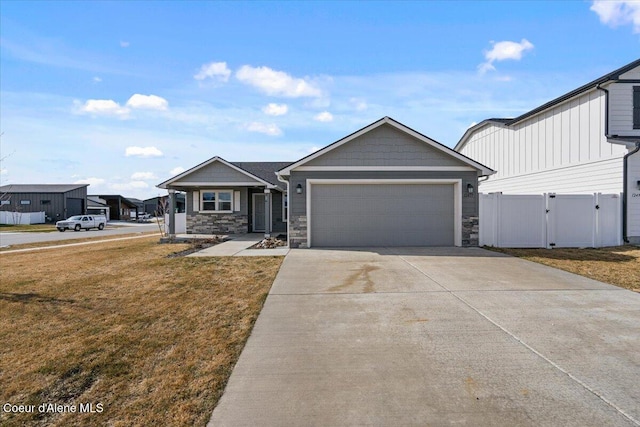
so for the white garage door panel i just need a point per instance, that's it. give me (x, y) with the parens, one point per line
(382, 215)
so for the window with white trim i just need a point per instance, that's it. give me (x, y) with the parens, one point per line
(216, 201)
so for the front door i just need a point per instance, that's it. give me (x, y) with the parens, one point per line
(258, 212)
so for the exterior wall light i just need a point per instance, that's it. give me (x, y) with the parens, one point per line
(299, 189)
(469, 188)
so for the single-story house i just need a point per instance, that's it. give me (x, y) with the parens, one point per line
(384, 185)
(57, 201)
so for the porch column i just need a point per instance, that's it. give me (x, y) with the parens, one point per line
(267, 213)
(172, 214)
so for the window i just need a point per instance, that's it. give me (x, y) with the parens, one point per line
(216, 201)
(25, 202)
(5, 202)
(285, 207)
(636, 107)
(45, 202)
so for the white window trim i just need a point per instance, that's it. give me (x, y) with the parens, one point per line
(457, 198)
(217, 192)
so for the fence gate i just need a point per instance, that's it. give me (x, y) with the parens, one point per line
(550, 220)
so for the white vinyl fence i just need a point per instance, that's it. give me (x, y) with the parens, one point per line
(22, 218)
(181, 223)
(550, 220)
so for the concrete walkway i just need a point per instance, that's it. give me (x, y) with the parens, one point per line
(416, 337)
(239, 245)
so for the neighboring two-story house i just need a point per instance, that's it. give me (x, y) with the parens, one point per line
(586, 141)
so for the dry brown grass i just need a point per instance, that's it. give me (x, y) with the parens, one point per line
(618, 265)
(152, 338)
(93, 238)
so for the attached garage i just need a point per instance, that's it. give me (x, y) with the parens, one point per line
(385, 185)
(353, 213)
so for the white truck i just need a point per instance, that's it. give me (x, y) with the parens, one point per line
(82, 222)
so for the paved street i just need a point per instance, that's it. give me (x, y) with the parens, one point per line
(10, 238)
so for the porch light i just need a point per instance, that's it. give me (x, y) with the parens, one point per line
(299, 189)
(470, 188)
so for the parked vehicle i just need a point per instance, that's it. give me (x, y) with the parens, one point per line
(82, 222)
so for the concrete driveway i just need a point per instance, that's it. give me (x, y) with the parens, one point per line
(441, 336)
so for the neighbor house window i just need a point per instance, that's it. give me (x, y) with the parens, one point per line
(45, 202)
(216, 201)
(636, 107)
(285, 207)
(25, 202)
(5, 202)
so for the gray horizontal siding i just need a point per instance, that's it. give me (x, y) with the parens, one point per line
(385, 146)
(214, 172)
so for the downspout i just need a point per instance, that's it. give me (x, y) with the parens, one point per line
(281, 179)
(625, 194)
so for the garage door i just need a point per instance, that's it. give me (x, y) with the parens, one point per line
(382, 215)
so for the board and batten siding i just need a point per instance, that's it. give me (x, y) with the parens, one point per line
(562, 149)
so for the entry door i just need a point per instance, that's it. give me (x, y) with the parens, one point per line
(258, 212)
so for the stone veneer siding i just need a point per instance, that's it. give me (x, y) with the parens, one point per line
(470, 231)
(212, 223)
(298, 231)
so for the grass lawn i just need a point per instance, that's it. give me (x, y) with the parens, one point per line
(93, 238)
(619, 265)
(33, 228)
(151, 338)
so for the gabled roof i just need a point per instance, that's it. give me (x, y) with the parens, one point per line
(267, 183)
(264, 170)
(389, 121)
(610, 77)
(40, 188)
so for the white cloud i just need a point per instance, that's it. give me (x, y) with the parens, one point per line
(313, 149)
(142, 152)
(616, 13)
(177, 170)
(502, 51)
(268, 129)
(97, 79)
(124, 44)
(4, 171)
(275, 109)
(107, 107)
(90, 181)
(132, 185)
(140, 176)
(214, 70)
(358, 104)
(147, 102)
(325, 116)
(277, 83)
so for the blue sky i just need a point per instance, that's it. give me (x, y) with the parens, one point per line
(123, 95)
